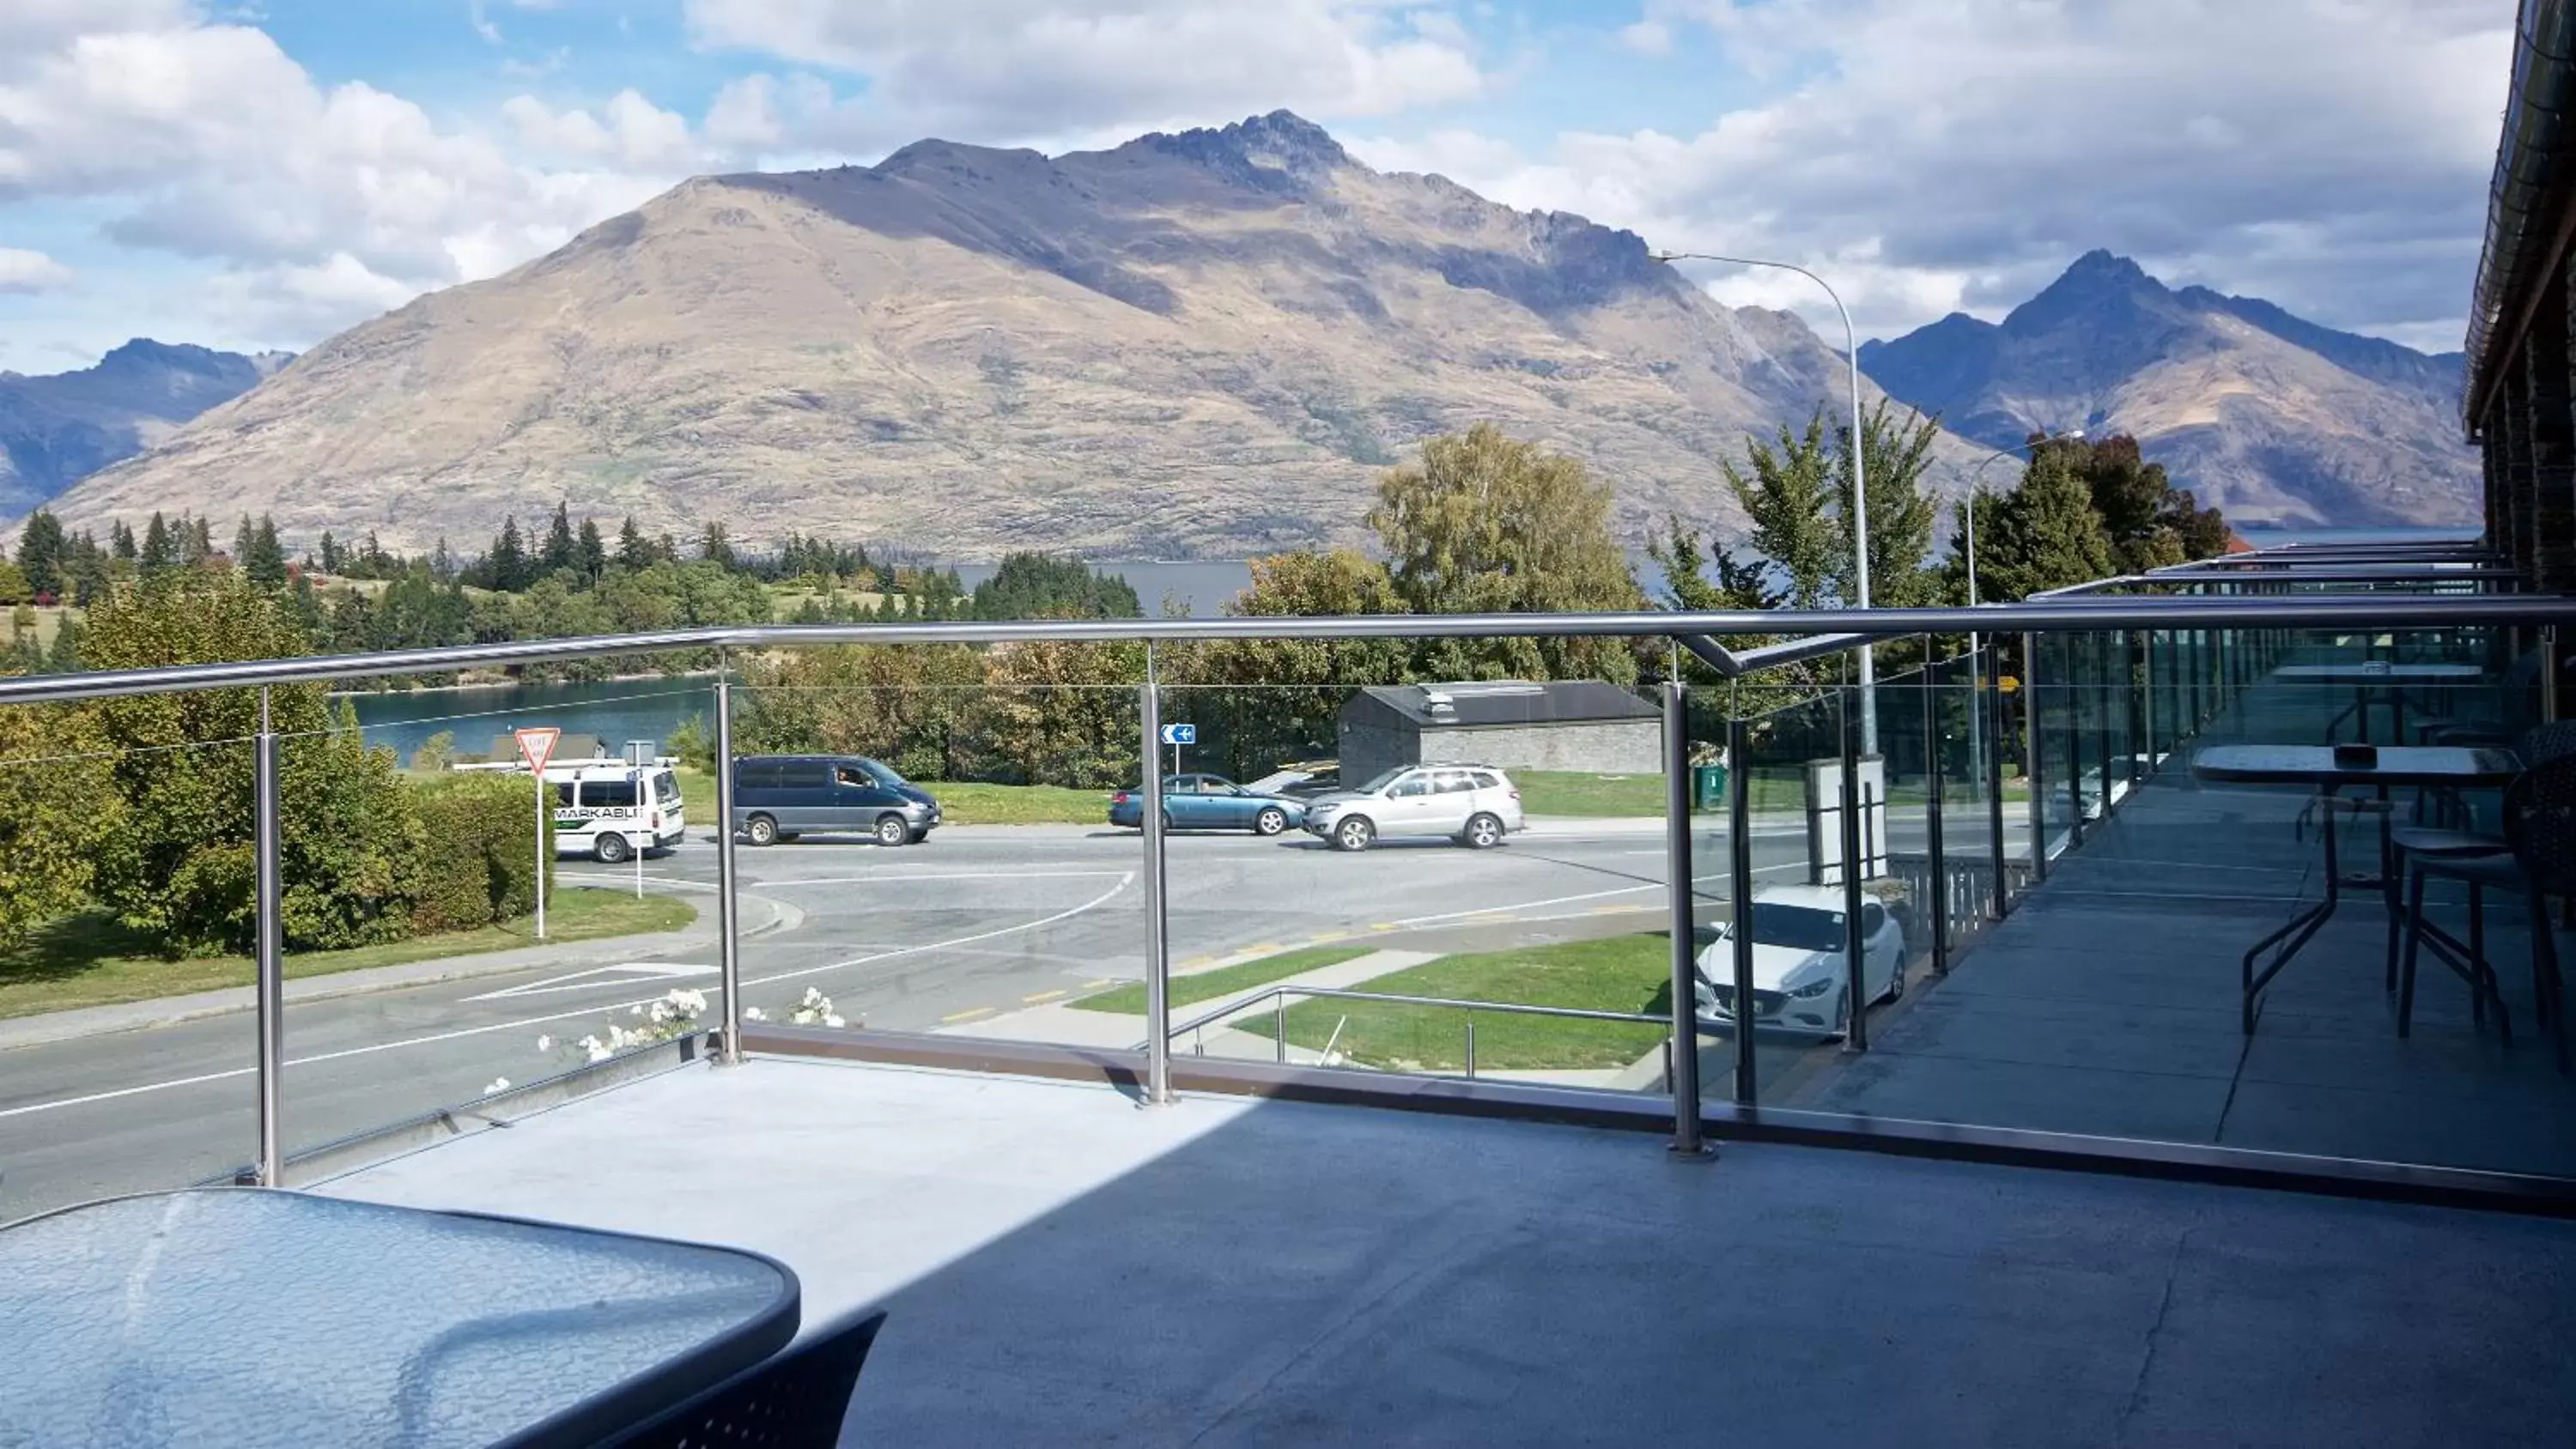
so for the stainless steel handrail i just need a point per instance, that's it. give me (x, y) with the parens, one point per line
(2384, 611)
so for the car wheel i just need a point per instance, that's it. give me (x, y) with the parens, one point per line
(1270, 821)
(611, 848)
(1842, 1016)
(892, 831)
(1483, 832)
(760, 830)
(1355, 832)
(918, 836)
(1896, 983)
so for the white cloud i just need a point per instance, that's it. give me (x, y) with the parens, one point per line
(998, 69)
(26, 273)
(2331, 155)
(320, 206)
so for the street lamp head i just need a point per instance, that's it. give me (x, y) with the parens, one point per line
(1663, 256)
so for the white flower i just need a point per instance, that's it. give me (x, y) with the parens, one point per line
(499, 1084)
(636, 1010)
(545, 1043)
(753, 1013)
(833, 1021)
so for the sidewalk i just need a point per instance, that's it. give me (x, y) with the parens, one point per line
(1064, 1024)
(760, 916)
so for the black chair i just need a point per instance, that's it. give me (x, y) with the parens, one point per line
(794, 1400)
(2539, 861)
(2517, 706)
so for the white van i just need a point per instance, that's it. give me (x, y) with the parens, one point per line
(605, 808)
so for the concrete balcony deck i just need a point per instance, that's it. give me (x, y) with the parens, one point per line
(1065, 1266)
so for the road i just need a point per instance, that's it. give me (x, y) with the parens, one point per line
(975, 922)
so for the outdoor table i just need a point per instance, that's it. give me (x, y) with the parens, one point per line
(246, 1317)
(2391, 679)
(2316, 767)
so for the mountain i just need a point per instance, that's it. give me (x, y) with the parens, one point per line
(2272, 418)
(57, 429)
(1199, 344)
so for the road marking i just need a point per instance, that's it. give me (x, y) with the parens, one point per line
(768, 883)
(633, 973)
(1041, 996)
(1103, 981)
(592, 1013)
(1381, 925)
(1518, 906)
(968, 1015)
(1324, 937)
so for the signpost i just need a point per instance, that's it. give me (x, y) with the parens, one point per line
(1177, 735)
(536, 746)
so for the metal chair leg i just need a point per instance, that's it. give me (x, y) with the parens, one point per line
(2414, 944)
(2479, 971)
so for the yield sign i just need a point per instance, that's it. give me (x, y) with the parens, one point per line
(537, 745)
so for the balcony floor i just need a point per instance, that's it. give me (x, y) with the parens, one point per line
(1066, 1267)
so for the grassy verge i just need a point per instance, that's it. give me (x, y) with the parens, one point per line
(1208, 985)
(1559, 793)
(87, 959)
(1619, 973)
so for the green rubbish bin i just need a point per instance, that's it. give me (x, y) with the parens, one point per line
(1708, 787)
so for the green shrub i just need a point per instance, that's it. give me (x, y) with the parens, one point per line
(477, 859)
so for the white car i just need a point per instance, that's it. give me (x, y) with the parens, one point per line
(1475, 805)
(1799, 979)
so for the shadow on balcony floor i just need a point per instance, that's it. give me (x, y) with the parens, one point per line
(1065, 1267)
(2108, 1002)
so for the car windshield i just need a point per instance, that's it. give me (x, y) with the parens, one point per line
(1382, 779)
(1798, 927)
(882, 774)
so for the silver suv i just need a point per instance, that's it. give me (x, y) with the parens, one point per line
(1476, 805)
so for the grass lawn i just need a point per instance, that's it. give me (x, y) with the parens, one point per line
(87, 959)
(1619, 973)
(1201, 986)
(1560, 793)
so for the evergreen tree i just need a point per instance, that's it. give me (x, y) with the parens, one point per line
(590, 554)
(64, 656)
(330, 553)
(715, 547)
(91, 579)
(160, 552)
(442, 562)
(2045, 534)
(120, 540)
(242, 542)
(633, 552)
(559, 544)
(263, 560)
(506, 566)
(41, 553)
(199, 545)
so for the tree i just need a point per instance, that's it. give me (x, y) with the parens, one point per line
(120, 540)
(506, 566)
(1701, 577)
(590, 553)
(58, 807)
(330, 553)
(633, 551)
(196, 540)
(263, 561)
(1048, 586)
(2150, 523)
(2045, 534)
(1788, 501)
(1275, 700)
(559, 542)
(41, 553)
(1901, 513)
(160, 551)
(13, 584)
(715, 547)
(1486, 524)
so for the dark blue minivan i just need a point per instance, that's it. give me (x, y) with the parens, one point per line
(780, 797)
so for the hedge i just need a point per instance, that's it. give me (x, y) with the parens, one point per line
(478, 855)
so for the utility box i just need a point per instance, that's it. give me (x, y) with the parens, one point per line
(1708, 787)
(1826, 856)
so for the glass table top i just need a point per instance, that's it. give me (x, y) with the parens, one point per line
(246, 1317)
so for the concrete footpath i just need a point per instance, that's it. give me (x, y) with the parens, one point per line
(761, 916)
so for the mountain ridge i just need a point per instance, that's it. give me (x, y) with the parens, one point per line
(2271, 417)
(56, 428)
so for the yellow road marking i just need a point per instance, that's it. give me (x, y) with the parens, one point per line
(1382, 925)
(968, 1015)
(1103, 981)
(1325, 936)
(1189, 962)
(1041, 996)
(1261, 948)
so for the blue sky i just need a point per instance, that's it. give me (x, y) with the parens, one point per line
(258, 175)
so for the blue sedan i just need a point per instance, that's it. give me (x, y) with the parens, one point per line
(1209, 802)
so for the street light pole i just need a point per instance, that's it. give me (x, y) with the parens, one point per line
(1860, 476)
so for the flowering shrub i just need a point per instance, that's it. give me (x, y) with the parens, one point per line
(674, 1016)
(813, 1009)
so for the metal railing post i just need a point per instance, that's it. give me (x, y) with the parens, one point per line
(272, 951)
(1856, 1029)
(1471, 1046)
(1932, 772)
(1279, 1024)
(1739, 831)
(2147, 704)
(2549, 673)
(1684, 1076)
(2033, 773)
(1158, 962)
(1991, 702)
(2074, 747)
(728, 916)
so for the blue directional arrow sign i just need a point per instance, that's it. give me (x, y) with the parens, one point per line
(1180, 734)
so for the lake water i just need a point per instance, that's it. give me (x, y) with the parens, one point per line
(635, 709)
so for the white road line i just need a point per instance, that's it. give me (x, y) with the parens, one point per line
(593, 1012)
(772, 885)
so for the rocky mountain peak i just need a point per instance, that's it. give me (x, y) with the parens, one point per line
(1258, 150)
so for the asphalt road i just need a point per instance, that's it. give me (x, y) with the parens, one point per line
(975, 922)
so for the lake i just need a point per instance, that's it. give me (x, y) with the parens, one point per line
(634, 709)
